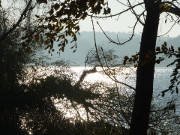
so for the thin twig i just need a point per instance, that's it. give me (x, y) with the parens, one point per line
(18, 22)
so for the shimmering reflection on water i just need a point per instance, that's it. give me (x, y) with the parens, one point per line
(128, 76)
(125, 75)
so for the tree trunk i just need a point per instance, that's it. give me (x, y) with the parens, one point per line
(145, 71)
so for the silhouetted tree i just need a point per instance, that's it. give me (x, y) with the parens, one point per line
(62, 21)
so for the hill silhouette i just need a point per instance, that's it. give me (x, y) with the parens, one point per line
(85, 43)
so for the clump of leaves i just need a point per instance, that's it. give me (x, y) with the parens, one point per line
(62, 21)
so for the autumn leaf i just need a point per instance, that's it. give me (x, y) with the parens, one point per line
(126, 57)
(135, 66)
(179, 49)
(74, 20)
(36, 38)
(165, 43)
(62, 49)
(166, 6)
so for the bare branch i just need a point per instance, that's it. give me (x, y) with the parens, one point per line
(175, 22)
(119, 43)
(85, 73)
(175, 11)
(112, 78)
(110, 16)
(134, 12)
(17, 23)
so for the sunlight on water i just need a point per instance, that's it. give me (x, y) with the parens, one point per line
(65, 106)
(123, 75)
(92, 78)
(126, 75)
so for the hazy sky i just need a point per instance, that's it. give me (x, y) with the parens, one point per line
(125, 22)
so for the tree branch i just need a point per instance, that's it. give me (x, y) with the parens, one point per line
(18, 22)
(110, 16)
(85, 73)
(173, 10)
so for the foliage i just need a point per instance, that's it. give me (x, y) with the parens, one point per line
(43, 117)
(11, 71)
(169, 52)
(62, 21)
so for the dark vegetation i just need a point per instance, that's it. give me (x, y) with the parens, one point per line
(29, 106)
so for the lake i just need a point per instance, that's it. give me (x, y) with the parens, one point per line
(128, 76)
(123, 75)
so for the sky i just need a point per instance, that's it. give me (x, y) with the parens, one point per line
(125, 22)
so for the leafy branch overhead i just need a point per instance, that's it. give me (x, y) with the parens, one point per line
(62, 21)
(63, 17)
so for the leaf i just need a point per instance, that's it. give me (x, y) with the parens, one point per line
(158, 49)
(36, 38)
(84, 16)
(74, 20)
(55, 20)
(74, 51)
(165, 43)
(51, 12)
(163, 94)
(135, 66)
(62, 49)
(56, 6)
(177, 91)
(126, 57)
(42, 42)
(41, 1)
(28, 50)
(61, 36)
(66, 41)
(108, 10)
(124, 63)
(37, 16)
(46, 42)
(166, 6)
(130, 59)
